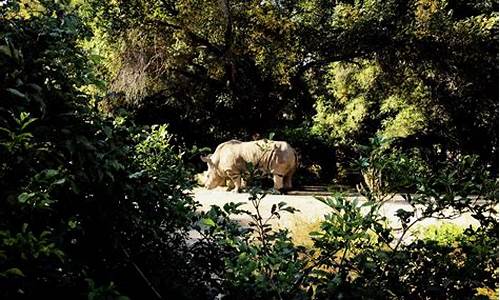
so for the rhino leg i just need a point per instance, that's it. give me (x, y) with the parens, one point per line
(236, 179)
(288, 181)
(278, 182)
(237, 184)
(230, 185)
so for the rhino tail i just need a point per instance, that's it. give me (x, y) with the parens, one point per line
(296, 159)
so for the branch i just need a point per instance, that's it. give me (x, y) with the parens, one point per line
(228, 42)
(195, 38)
(204, 42)
(228, 33)
(148, 282)
(325, 61)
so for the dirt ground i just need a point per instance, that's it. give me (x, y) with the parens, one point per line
(310, 209)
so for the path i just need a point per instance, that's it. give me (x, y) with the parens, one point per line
(311, 209)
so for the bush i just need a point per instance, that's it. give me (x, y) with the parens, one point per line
(386, 169)
(443, 233)
(259, 262)
(317, 156)
(89, 206)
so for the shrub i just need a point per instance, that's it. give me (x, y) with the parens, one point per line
(259, 262)
(353, 263)
(441, 233)
(386, 169)
(317, 156)
(89, 206)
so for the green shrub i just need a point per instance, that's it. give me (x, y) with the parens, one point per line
(441, 233)
(317, 156)
(89, 206)
(449, 264)
(259, 262)
(92, 207)
(386, 169)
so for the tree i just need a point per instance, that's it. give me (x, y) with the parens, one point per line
(218, 70)
(226, 71)
(423, 71)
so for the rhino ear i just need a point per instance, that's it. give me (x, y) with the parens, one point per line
(206, 159)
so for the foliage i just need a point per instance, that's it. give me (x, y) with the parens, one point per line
(259, 262)
(202, 72)
(361, 255)
(317, 155)
(442, 233)
(386, 169)
(408, 70)
(411, 70)
(98, 207)
(361, 102)
(89, 206)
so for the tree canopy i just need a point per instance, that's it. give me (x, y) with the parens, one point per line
(423, 71)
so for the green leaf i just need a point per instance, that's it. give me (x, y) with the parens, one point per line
(72, 224)
(368, 203)
(208, 222)
(51, 173)
(15, 271)
(86, 143)
(315, 233)
(35, 87)
(290, 209)
(4, 49)
(7, 131)
(27, 123)
(137, 174)
(60, 181)
(25, 197)
(96, 58)
(107, 131)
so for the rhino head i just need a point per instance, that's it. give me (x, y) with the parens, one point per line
(212, 178)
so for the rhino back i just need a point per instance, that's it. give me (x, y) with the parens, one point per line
(234, 155)
(269, 155)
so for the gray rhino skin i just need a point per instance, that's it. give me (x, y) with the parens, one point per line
(230, 159)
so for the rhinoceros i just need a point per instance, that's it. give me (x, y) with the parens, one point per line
(231, 158)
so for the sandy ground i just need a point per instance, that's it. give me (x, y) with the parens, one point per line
(311, 209)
